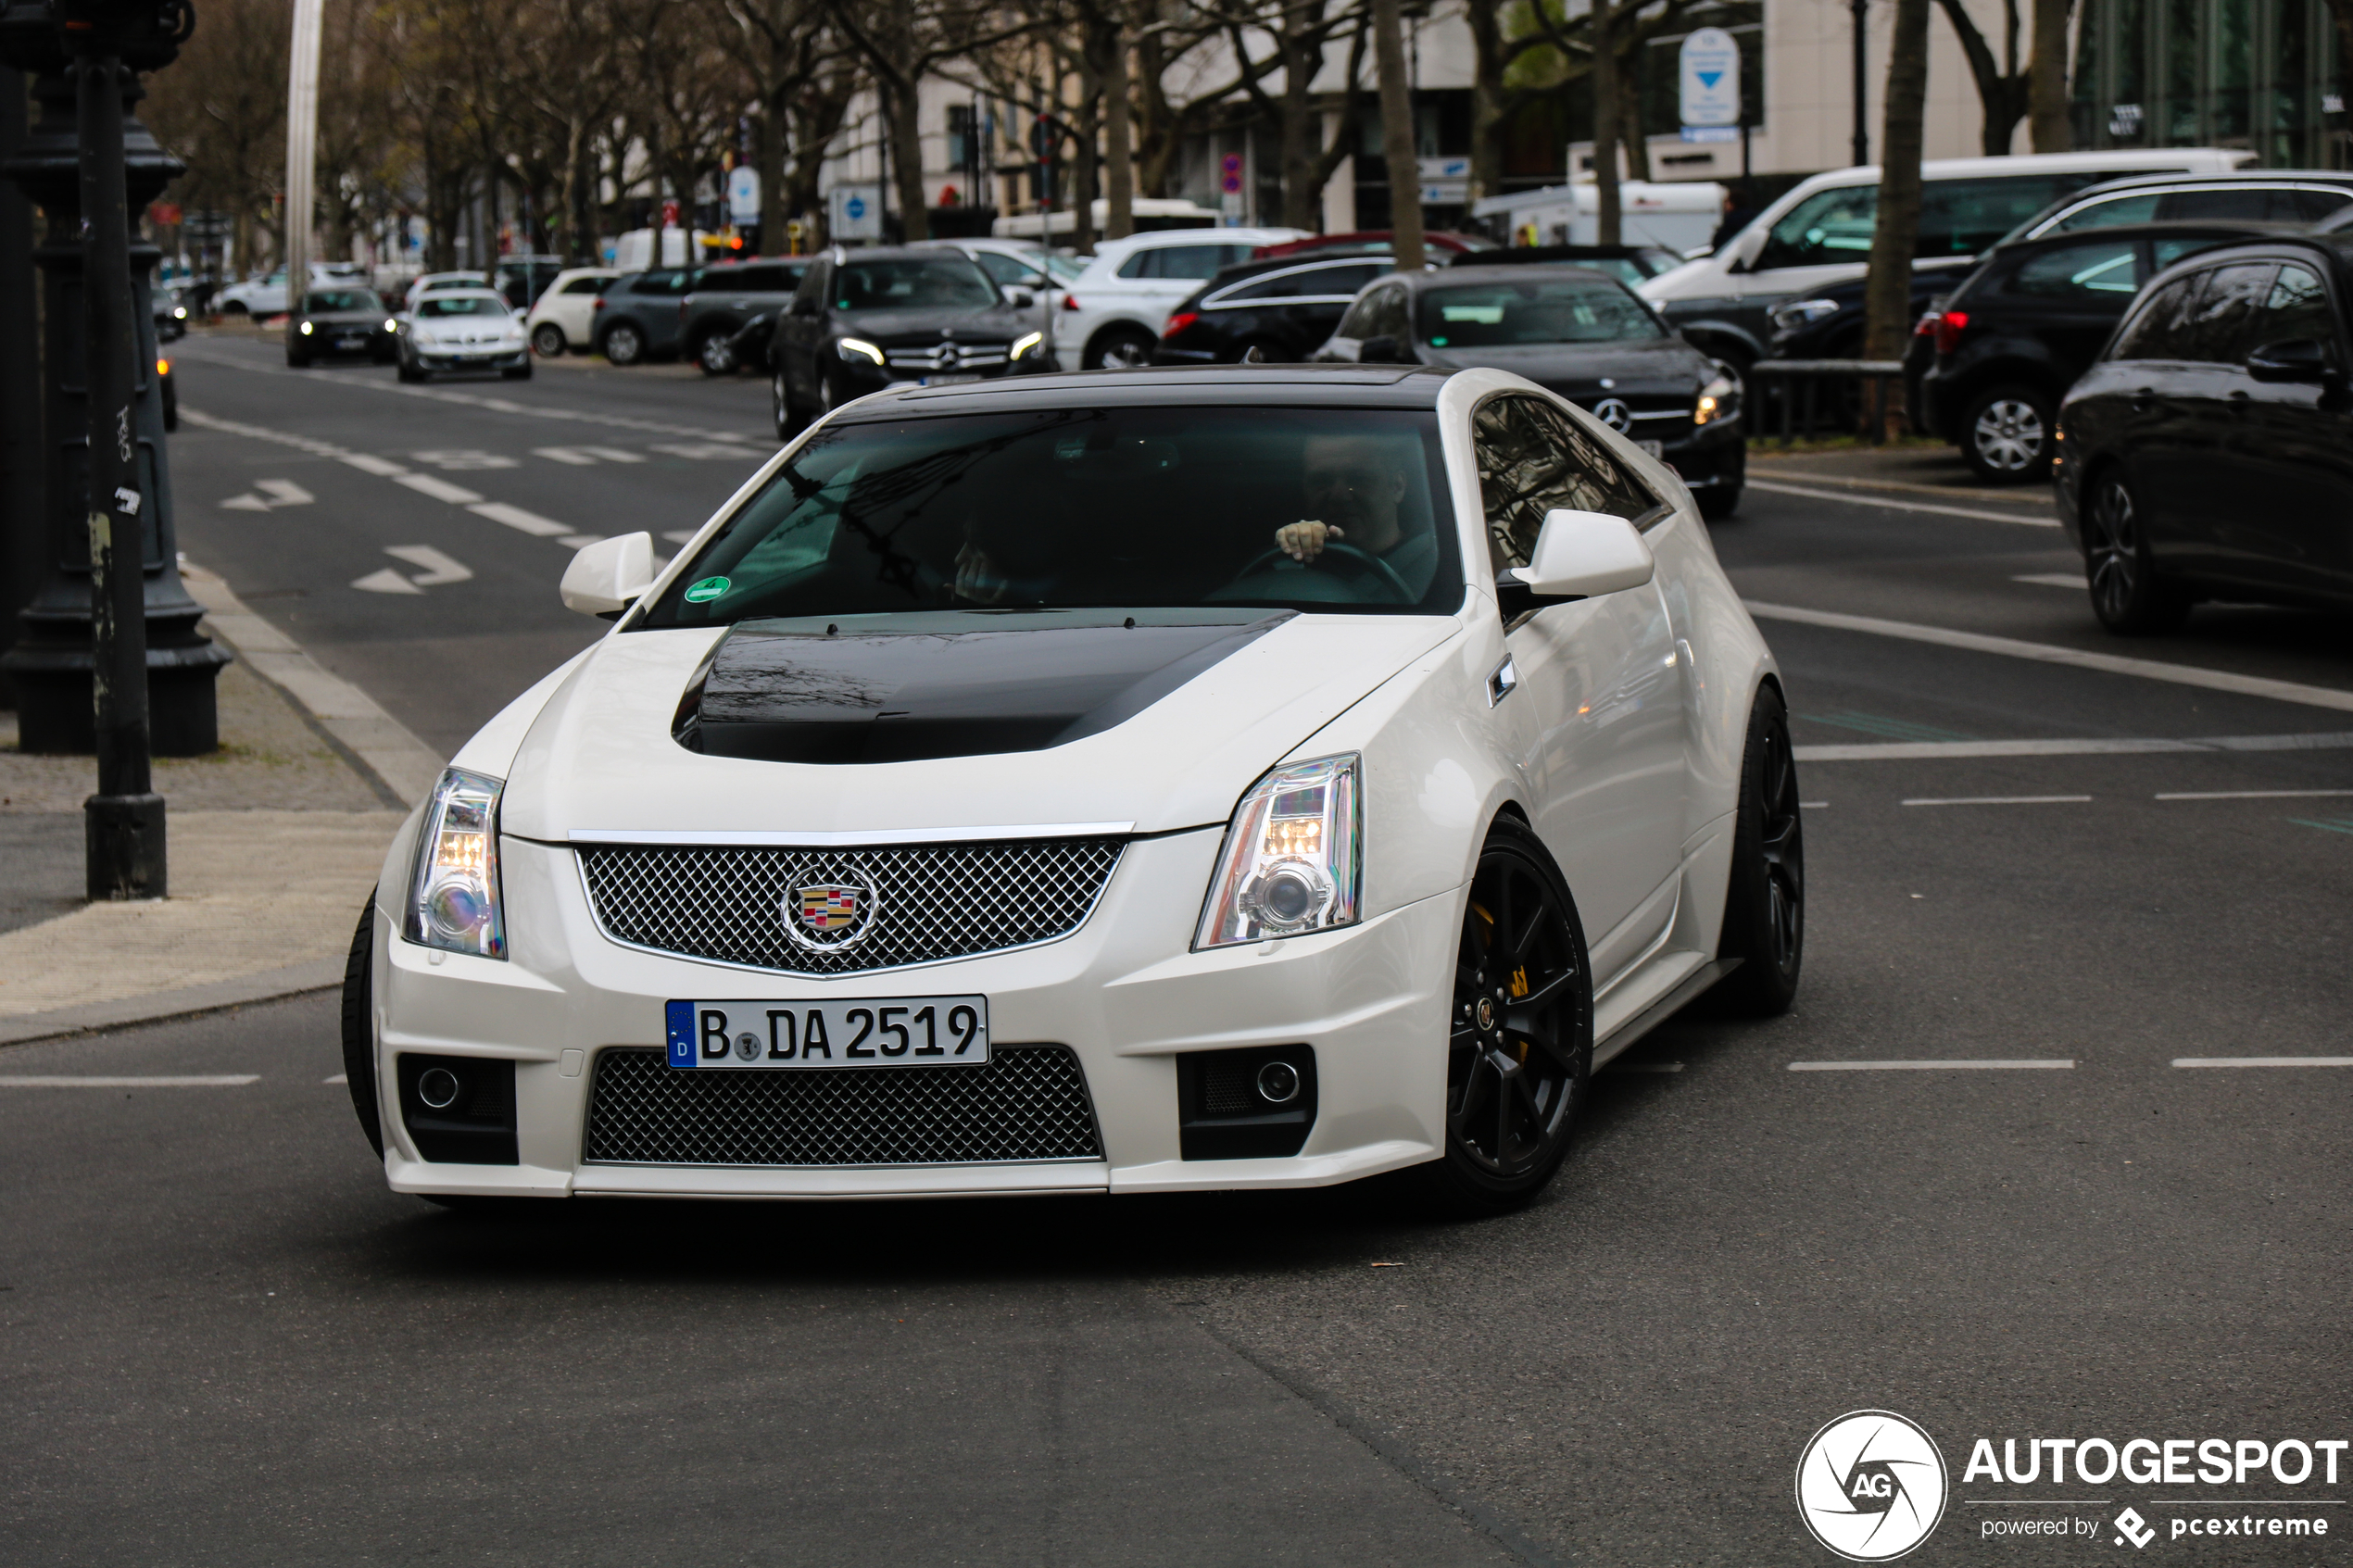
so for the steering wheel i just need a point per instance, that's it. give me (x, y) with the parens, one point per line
(1358, 564)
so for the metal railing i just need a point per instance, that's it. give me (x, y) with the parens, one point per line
(1828, 396)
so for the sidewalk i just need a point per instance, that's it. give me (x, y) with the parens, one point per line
(273, 842)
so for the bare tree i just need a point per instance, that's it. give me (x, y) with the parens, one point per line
(1887, 294)
(1300, 31)
(2051, 129)
(2001, 86)
(1397, 139)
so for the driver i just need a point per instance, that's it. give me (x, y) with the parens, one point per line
(1354, 486)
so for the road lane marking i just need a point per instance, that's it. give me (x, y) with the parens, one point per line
(438, 569)
(1643, 1067)
(1813, 805)
(1922, 751)
(336, 1078)
(284, 492)
(167, 1081)
(461, 460)
(721, 449)
(2263, 1061)
(586, 456)
(1883, 727)
(1863, 500)
(580, 541)
(368, 462)
(2250, 794)
(385, 581)
(2028, 1064)
(2339, 824)
(681, 535)
(2051, 579)
(516, 517)
(439, 489)
(2051, 653)
(2006, 800)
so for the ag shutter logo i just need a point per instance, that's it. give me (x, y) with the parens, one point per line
(2131, 1526)
(1871, 1485)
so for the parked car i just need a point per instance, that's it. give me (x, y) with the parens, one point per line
(725, 299)
(334, 323)
(1579, 334)
(1820, 232)
(636, 319)
(1438, 245)
(463, 329)
(1827, 322)
(1112, 313)
(1267, 312)
(428, 282)
(266, 295)
(1001, 795)
(1022, 264)
(2016, 334)
(866, 320)
(171, 312)
(2208, 452)
(2265, 196)
(1629, 264)
(559, 319)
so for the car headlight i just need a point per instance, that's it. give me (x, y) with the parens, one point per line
(178, 312)
(306, 328)
(1025, 343)
(855, 348)
(1719, 399)
(1801, 312)
(1293, 860)
(453, 897)
(391, 325)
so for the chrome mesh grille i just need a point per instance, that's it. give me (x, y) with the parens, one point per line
(930, 901)
(1029, 1103)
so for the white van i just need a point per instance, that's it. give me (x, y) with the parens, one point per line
(1820, 232)
(1677, 216)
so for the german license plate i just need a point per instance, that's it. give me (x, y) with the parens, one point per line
(849, 1032)
(946, 381)
(351, 343)
(1656, 448)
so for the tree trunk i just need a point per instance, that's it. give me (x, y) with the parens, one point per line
(772, 175)
(1608, 224)
(1397, 138)
(1638, 146)
(1303, 202)
(907, 161)
(1157, 143)
(1487, 97)
(2046, 80)
(1887, 296)
(1084, 163)
(1119, 219)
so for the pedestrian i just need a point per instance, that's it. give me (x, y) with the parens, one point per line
(1737, 215)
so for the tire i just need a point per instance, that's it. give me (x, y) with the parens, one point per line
(1517, 1065)
(411, 373)
(2128, 595)
(625, 344)
(715, 355)
(299, 362)
(516, 373)
(360, 1029)
(235, 307)
(1765, 902)
(2005, 435)
(1120, 348)
(790, 422)
(548, 339)
(1719, 503)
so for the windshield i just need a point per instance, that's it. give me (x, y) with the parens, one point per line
(926, 284)
(460, 305)
(1088, 508)
(1539, 310)
(343, 299)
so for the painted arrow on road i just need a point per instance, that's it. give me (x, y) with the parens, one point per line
(275, 493)
(438, 570)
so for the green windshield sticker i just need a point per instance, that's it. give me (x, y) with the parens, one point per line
(708, 588)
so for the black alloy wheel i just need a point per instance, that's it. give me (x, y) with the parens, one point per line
(1519, 1049)
(548, 339)
(715, 355)
(624, 344)
(2005, 435)
(2127, 593)
(1764, 903)
(1121, 348)
(1718, 502)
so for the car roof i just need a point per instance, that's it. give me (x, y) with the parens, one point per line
(2252, 227)
(1346, 386)
(1451, 277)
(2259, 178)
(471, 293)
(2332, 247)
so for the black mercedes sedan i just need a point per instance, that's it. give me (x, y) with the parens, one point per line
(2208, 451)
(863, 320)
(341, 322)
(1266, 311)
(1578, 333)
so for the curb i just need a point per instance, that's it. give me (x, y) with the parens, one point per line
(318, 974)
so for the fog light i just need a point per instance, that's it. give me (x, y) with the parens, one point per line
(1279, 1083)
(437, 1086)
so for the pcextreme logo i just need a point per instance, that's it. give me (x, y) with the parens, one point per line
(1871, 1485)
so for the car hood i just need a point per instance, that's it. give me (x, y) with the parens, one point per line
(897, 328)
(1577, 370)
(346, 317)
(1033, 719)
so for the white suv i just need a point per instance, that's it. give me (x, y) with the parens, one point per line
(1112, 313)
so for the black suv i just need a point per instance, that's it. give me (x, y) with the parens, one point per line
(2012, 339)
(866, 320)
(712, 319)
(636, 317)
(1276, 311)
(2208, 453)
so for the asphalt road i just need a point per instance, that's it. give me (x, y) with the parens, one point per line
(226, 1343)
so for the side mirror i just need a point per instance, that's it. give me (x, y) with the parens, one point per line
(1585, 555)
(605, 577)
(2297, 360)
(1020, 300)
(1382, 350)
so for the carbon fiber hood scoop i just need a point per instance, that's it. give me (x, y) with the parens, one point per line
(906, 689)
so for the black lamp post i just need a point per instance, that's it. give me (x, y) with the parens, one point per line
(110, 658)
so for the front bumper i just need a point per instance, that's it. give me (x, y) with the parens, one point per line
(1712, 456)
(1122, 992)
(472, 358)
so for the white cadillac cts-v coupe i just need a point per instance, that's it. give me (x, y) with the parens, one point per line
(1256, 777)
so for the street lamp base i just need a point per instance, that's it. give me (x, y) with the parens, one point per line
(125, 840)
(54, 713)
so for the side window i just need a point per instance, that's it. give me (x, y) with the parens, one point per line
(1390, 318)
(1144, 264)
(2313, 205)
(2168, 248)
(2158, 330)
(1964, 217)
(1353, 324)
(2296, 307)
(2105, 269)
(1532, 460)
(586, 285)
(1342, 282)
(1827, 226)
(1192, 261)
(761, 279)
(2105, 214)
(2219, 326)
(1282, 285)
(1004, 271)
